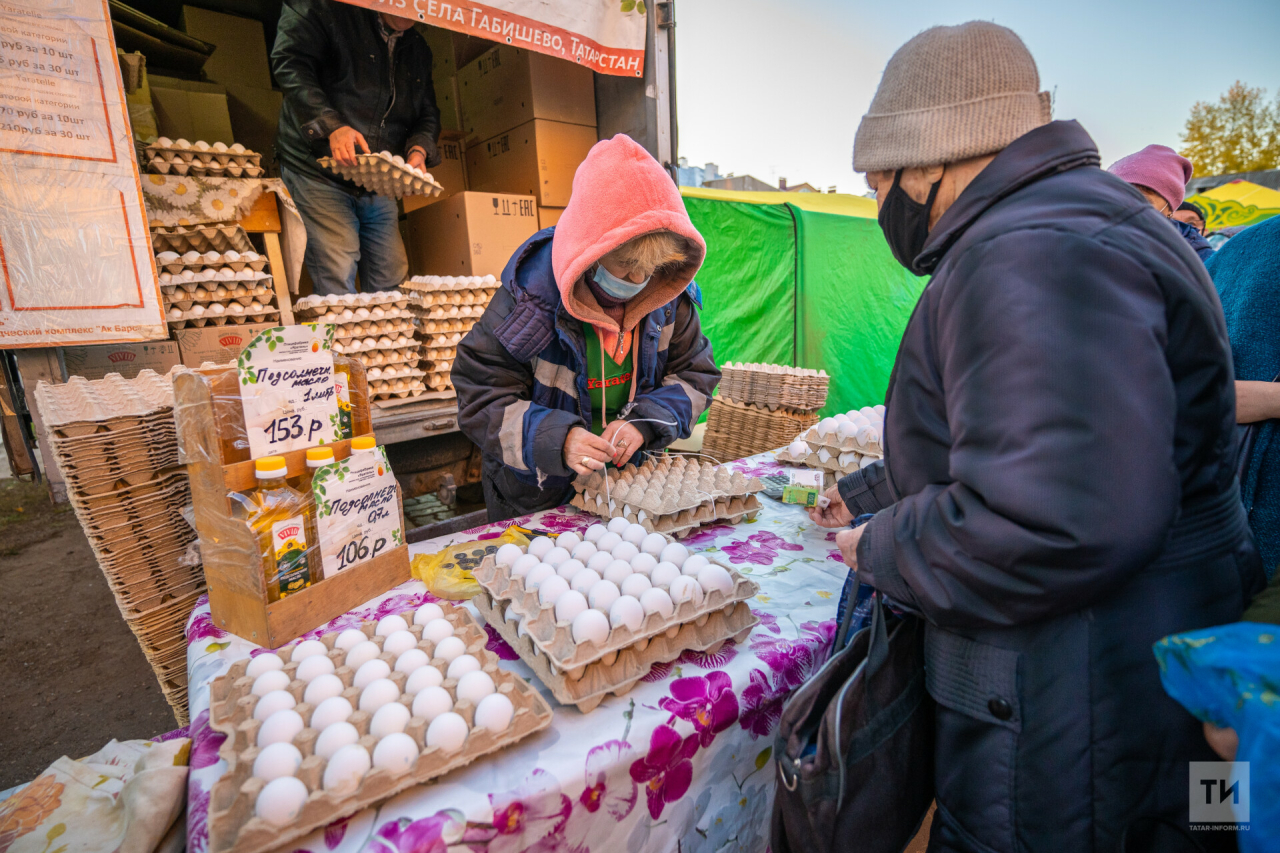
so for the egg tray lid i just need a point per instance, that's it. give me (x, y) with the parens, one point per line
(200, 238)
(555, 640)
(434, 283)
(381, 173)
(587, 686)
(661, 486)
(233, 826)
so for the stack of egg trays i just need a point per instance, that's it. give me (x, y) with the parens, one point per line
(115, 442)
(737, 430)
(446, 308)
(180, 157)
(832, 453)
(200, 238)
(378, 329)
(583, 674)
(233, 826)
(387, 174)
(775, 386)
(679, 519)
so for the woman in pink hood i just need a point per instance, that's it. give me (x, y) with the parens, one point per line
(592, 351)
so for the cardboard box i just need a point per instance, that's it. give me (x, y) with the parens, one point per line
(450, 174)
(126, 359)
(469, 233)
(548, 216)
(190, 110)
(538, 158)
(215, 344)
(255, 118)
(509, 86)
(241, 56)
(443, 70)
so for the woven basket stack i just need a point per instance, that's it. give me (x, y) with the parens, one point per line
(760, 407)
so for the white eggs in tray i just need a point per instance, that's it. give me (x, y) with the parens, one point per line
(280, 727)
(583, 581)
(568, 540)
(550, 589)
(427, 613)
(555, 556)
(461, 665)
(603, 595)
(591, 626)
(277, 760)
(437, 629)
(600, 561)
(431, 702)
(626, 551)
(334, 737)
(656, 600)
(593, 534)
(369, 672)
(508, 554)
(450, 648)
(269, 682)
(538, 574)
(643, 563)
(634, 585)
(663, 574)
(570, 604)
(712, 577)
(378, 693)
(626, 611)
(313, 667)
(389, 719)
(323, 687)
(281, 800)
(617, 571)
(618, 525)
(395, 753)
(349, 638)
(399, 641)
(422, 678)
(684, 589)
(494, 713)
(569, 568)
(582, 552)
(447, 732)
(475, 686)
(675, 554)
(271, 702)
(540, 546)
(635, 534)
(694, 564)
(346, 768)
(335, 709)
(608, 541)
(390, 624)
(411, 660)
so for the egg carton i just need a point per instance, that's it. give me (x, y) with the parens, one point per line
(774, 385)
(387, 174)
(201, 152)
(173, 262)
(374, 328)
(860, 430)
(386, 342)
(409, 355)
(596, 682)
(435, 283)
(447, 326)
(439, 353)
(190, 320)
(190, 280)
(679, 524)
(317, 305)
(79, 406)
(467, 296)
(442, 366)
(199, 168)
(663, 485)
(399, 388)
(393, 371)
(201, 238)
(216, 291)
(233, 825)
(359, 322)
(823, 460)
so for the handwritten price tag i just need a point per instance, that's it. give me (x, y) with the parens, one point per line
(357, 510)
(287, 387)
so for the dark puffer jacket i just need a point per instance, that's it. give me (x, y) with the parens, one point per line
(1058, 494)
(333, 66)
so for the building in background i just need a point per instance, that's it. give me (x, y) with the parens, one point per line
(741, 183)
(695, 176)
(797, 188)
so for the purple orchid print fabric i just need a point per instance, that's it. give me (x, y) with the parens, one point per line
(681, 762)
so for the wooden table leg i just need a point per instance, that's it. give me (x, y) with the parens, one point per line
(276, 259)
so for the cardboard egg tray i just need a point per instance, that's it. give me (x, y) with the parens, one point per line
(189, 319)
(409, 355)
(316, 305)
(393, 371)
(439, 353)
(385, 174)
(774, 385)
(172, 262)
(107, 404)
(737, 430)
(438, 381)
(397, 388)
(200, 168)
(429, 327)
(435, 283)
(238, 290)
(362, 321)
(354, 346)
(233, 827)
(201, 238)
(202, 153)
(374, 328)
(452, 312)
(464, 296)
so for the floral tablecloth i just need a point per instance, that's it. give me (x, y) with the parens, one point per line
(680, 762)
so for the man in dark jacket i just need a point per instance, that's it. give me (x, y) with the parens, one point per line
(354, 81)
(1058, 487)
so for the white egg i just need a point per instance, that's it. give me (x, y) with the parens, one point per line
(361, 653)
(510, 615)
(523, 564)
(609, 541)
(280, 727)
(399, 642)
(694, 564)
(369, 672)
(306, 649)
(618, 525)
(643, 563)
(538, 574)
(269, 703)
(603, 595)
(625, 551)
(349, 638)
(390, 718)
(281, 800)
(568, 540)
(584, 580)
(335, 737)
(675, 554)
(474, 686)
(555, 556)
(653, 543)
(712, 577)
(663, 574)
(594, 532)
(569, 568)
(322, 687)
(263, 663)
(626, 612)
(449, 648)
(437, 630)
(494, 713)
(584, 551)
(684, 589)
(277, 760)
(422, 678)
(431, 702)
(335, 709)
(600, 561)
(508, 554)
(617, 571)
(447, 732)
(461, 665)
(551, 589)
(635, 534)
(428, 612)
(395, 753)
(269, 682)
(540, 546)
(634, 585)
(591, 626)
(657, 601)
(569, 605)
(377, 694)
(346, 768)
(314, 667)
(388, 625)
(411, 660)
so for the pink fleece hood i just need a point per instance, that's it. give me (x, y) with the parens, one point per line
(619, 193)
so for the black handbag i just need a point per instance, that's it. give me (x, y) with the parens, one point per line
(854, 749)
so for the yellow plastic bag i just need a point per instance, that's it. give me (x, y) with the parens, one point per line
(447, 573)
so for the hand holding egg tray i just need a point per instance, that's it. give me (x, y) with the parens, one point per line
(286, 779)
(841, 444)
(385, 173)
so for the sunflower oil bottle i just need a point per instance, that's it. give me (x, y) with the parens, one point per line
(342, 391)
(280, 519)
(317, 457)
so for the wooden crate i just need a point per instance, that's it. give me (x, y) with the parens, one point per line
(207, 424)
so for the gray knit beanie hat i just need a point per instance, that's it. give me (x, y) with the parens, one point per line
(948, 94)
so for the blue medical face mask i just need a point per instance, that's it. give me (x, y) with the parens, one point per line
(618, 288)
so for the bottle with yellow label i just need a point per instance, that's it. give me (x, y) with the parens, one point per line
(342, 391)
(317, 457)
(279, 517)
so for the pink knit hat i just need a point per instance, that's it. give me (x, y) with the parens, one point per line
(1159, 168)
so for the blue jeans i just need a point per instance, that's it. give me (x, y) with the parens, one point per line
(348, 233)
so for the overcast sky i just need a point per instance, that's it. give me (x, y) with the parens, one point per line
(776, 87)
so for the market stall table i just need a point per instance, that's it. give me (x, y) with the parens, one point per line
(683, 758)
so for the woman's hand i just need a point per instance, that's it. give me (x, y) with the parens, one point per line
(834, 514)
(584, 451)
(847, 541)
(625, 438)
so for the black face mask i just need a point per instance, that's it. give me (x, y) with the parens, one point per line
(905, 221)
